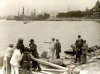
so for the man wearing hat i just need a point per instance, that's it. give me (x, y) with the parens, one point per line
(58, 49)
(20, 45)
(33, 50)
(79, 45)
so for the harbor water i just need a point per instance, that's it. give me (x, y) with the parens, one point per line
(42, 31)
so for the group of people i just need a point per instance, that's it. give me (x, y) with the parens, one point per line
(55, 49)
(81, 50)
(21, 57)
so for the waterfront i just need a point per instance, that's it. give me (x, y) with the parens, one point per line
(42, 31)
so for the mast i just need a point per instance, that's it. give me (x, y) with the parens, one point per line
(68, 9)
(23, 11)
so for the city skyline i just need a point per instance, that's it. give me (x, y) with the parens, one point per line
(11, 7)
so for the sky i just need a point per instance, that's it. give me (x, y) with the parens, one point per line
(11, 7)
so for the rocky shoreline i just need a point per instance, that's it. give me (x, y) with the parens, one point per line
(93, 61)
(93, 64)
(72, 19)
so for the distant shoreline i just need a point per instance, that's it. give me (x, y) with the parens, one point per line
(73, 19)
(63, 19)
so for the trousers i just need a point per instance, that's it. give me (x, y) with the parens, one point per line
(57, 55)
(8, 68)
(14, 70)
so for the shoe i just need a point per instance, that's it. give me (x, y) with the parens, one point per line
(75, 62)
(39, 70)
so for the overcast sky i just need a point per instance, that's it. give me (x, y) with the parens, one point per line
(11, 7)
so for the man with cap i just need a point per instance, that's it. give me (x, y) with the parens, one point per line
(20, 45)
(33, 50)
(58, 49)
(79, 45)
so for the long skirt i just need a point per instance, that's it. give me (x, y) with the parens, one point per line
(83, 58)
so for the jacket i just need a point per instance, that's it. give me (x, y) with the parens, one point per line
(16, 58)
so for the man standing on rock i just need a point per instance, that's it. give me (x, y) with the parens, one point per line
(79, 45)
(58, 49)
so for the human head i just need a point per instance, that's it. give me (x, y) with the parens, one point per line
(53, 39)
(79, 36)
(57, 40)
(31, 40)
(11, 45)
(20, 40)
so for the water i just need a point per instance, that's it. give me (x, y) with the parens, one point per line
(41, 31)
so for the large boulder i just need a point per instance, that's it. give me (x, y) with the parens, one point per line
(73, 46)
(92, 49)
(56, 61)
(44, 54)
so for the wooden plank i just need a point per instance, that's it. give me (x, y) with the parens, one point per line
(36, 73)
(50, 64)
(45, 72)
(54, 70)
(42, 72)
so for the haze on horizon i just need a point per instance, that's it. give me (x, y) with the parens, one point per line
(11, 7)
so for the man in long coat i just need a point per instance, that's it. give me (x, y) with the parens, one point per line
(58, 49)
(33, 50)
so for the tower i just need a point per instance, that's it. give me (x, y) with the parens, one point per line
(18, 13)
(34, 12)
(68, 9)
(23, 11)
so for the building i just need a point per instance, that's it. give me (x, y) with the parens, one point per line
(96, 10)
(11, 17)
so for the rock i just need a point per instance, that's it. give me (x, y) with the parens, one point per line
(73, 46)
(92, 49)
(44, 54)
(83, 72)
(77, 71)
(56, 61)
(98, 57)
(67, 62)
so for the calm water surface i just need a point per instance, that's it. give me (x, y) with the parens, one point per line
(41, 31)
